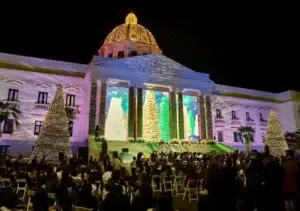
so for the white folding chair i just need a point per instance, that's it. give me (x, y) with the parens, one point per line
(22, 187)
(156, 183)
(178, 185)
(167, 183)
(191, 188)
(30, 194)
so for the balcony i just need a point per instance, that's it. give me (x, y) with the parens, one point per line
(263, 124)
(235, 122)
(41, 108)
(250, 123)
(219, 122)
(12, 102)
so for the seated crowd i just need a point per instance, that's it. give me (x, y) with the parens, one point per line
(228, 181)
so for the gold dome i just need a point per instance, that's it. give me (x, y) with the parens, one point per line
(131, 31)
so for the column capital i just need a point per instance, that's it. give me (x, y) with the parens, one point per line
(175, 89)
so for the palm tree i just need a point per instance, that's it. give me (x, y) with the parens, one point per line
(293, 138)
(9, 112)
(247, 136)
(71, 113)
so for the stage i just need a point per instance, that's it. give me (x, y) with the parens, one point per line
(148, 148)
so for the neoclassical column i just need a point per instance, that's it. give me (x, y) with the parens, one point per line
(131, 113)
(139, 113)
(92, 112)
(202, 116)
(173, 115)
(208, 117)
(102, 107)
(180, 117)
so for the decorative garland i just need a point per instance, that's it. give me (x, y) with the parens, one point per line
(201, 120)
(92, 113)
(173, 116)
(139, 131)
(131, 113)
(102, 109)
(209, 118)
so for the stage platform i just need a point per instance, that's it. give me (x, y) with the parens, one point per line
(148, 148)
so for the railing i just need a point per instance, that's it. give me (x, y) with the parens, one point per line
(42, 106)
(235, 122)
(219, 122)
(250, 123)
(263, 124)
(12, 102)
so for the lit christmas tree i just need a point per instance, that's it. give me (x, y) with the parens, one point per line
(115, 129)
(54, 137)
(150, 118)
(164, 119)
(274, 138)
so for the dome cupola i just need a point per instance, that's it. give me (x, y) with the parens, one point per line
(129, 39)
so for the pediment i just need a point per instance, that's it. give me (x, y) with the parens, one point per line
(14, 82)
(45, 86)
(152, 68)
(72, 88)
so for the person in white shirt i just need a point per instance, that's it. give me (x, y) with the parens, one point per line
(107, 175)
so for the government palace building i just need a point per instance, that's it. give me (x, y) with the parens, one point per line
(132, 91)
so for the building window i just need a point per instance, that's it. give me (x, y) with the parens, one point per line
(237, 137)
(42, 98)
(261, 118)
(121, 54)
(233, 115)
(13, 95)
(70, 100)
(38, 127)
(220, 136)
(248, 118)
(218, 114)
(133, 53)
(71, 124)
(8, 126)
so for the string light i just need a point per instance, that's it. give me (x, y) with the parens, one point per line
(54, 138)
(274, 138)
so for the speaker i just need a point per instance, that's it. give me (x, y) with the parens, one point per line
(125, 150)
(61, 157)
(83, 152)
(115, 154)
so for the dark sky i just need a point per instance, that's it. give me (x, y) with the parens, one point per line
(239, 43)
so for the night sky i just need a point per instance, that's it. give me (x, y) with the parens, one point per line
(239, 43)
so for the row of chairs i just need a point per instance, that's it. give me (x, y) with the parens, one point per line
(176, 185)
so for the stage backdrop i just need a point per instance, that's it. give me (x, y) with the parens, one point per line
(190, 115)
(116, 123)
(156, 124)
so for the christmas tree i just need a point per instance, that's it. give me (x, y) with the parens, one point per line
(150, 118)
(54, 137)
(274, 138)
(164, 119)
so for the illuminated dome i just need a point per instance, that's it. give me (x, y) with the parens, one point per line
(131, 31)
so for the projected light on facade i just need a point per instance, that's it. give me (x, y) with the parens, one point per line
(116, 123)
(156, 124)
(190, 115)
